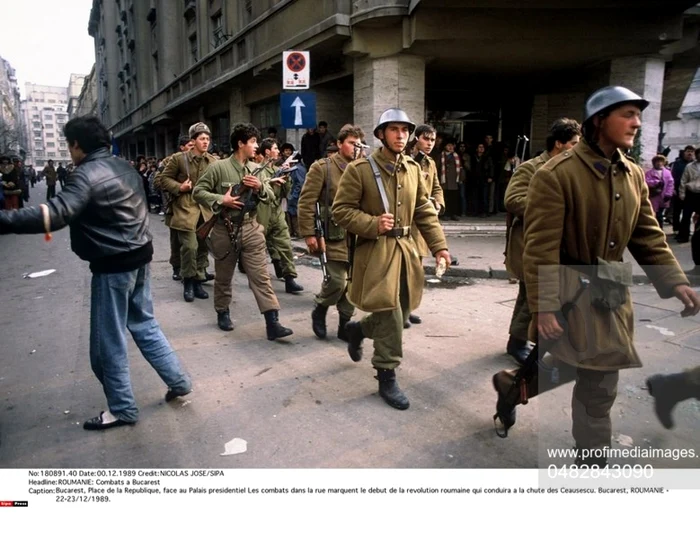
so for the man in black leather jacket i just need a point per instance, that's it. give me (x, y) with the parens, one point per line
(104, 205)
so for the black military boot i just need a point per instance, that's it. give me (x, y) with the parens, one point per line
(389, 390)
(414, 319)
(188, 289)
(353, 331)
(318, 321)
(342, 334)
(291, 286)
(518, 349)
(275, 330)
(176, 274)
(199, 292)
(669, 390)
(277, 264)
(208, 276)
(223, 319)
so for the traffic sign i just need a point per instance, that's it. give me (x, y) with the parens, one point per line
(295, 70)
(298, 110)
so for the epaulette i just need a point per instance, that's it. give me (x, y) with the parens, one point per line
(557, 159)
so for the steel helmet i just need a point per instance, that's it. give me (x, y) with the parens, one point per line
(611, 96)
(197, 129)
(394, 116)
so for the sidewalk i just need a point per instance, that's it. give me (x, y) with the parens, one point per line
(479, 245)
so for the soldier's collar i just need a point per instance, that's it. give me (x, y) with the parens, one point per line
(387, 165)
(598, 163)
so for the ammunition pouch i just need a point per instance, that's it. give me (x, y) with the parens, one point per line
(334, 232)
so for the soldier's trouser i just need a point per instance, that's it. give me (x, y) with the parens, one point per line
(520, 321)
(194, 255)
(254, 260)
(593, 397)
(385, 328)
(334, 291)
(279, 243)
(174, 249)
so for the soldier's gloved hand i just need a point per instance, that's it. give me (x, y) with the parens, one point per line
(548, 326)
(231, 202)
(311, 244)
(689, 298)
(386, 223)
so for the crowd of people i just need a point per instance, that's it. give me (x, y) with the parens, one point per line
(371, 217)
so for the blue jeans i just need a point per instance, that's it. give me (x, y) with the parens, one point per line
(122, 301)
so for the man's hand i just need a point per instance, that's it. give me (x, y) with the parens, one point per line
(489, 180)
(186, 186)
(548, 326)
(253, 182)
(280, 180)
(232, 202)
(386, 223)
(689, 298)
(311, 243)
(443, 255)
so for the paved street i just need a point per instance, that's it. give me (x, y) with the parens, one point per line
(303, 403)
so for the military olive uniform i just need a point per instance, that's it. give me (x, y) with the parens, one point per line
(168, 208)
(583, 207)
(320, 186)
(434, 189)
(187, 214)
(515, 202)
(271, 217)
(210, 190)
(388, 276)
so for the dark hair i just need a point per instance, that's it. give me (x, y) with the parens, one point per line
(287, 145)
(272, 130)
(659, 158)
(265, 145)
(243, 133)
(562, 130)
(88, 132)
(349, 130)
(323, 124)
(183, 140)
(689, 147)
(697, 153)
(425, 129)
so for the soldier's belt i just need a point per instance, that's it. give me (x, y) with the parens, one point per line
(398, 232)
(246, 219)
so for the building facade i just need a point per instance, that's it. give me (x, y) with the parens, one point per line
(11, 122)
(87, 100)
(46, 112)
(75, 86)
(470, 67)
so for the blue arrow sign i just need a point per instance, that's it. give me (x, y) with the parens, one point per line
(298, 110)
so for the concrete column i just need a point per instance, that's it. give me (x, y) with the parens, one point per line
(382, 83)
(170, 38)
(238, 110)
(645, 76)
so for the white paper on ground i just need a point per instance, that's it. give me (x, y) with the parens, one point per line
(38, 274)
(234, 447)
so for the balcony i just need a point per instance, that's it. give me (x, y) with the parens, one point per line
(132, 44)
(190, 9)
(151, 17)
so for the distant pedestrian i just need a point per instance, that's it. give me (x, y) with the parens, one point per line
(51, 176)
(109, 229)
(62, 175)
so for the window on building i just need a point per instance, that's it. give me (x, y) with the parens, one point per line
(52, 100)
(217, 29)
(193, 48)
(64, 154)
(48, 126)
(51, 154)
(48, 116)
(49, 135)
(50, 144)
(37, 134)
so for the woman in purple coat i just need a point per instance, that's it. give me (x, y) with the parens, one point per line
(660, 183)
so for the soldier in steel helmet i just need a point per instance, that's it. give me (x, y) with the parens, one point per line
(378, 199)
(585, 207)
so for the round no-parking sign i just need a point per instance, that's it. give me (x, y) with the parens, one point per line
(295, 70)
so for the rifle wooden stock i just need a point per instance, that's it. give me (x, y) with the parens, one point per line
(205, 228)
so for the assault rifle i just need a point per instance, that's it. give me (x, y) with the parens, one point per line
(320, 237)
(250, 202)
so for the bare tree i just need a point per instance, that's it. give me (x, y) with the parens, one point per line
(10, 138)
